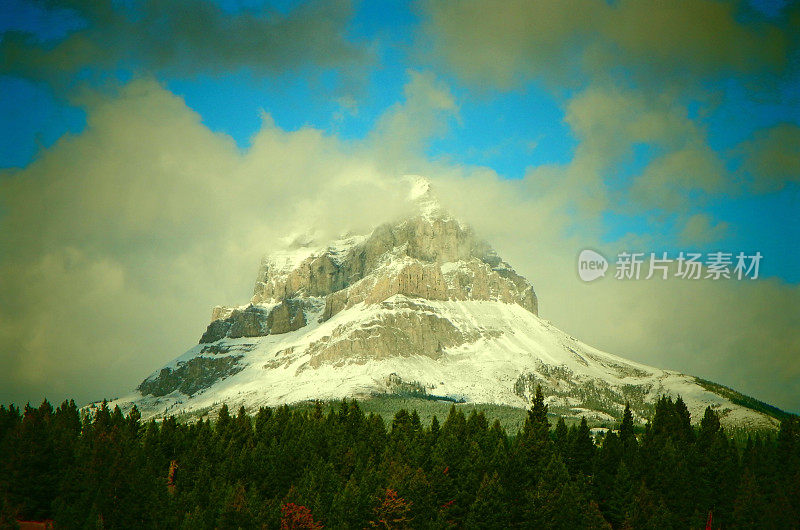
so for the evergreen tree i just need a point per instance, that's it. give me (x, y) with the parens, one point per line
(537, 427)
(560, 436)
(223, 420)
(434, 429)
(533, 447)
(649, 511)
(750, 505)
(607, 464)
(33, 477)
(626, 432)
(580, 451)
(489, 508)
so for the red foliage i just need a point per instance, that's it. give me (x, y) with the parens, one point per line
(296, 516)
(393, 511)
(47, 524)
(173, 467)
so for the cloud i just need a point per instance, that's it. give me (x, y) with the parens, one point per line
(771, 158)
(504, 45)
(610, 119)
(699, 230)
(682, 171)
(670, 181)
(638, 82)
(404, 127)
(698, 37)
(187, 37)
(610, 122)
(738, 333)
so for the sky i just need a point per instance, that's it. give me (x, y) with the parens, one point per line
(151, 152)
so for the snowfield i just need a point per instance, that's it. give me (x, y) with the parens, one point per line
(512, 341)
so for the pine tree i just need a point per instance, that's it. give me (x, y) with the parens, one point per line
(352, 506)
(683, 422)
(489, 508)
(547, 499)
(223, 420)
(261, 422)
(536, 430)
(34, 471)
(560, 436)
(620, 497)
(434, 431)
(626, 432)
(607, 463)
(337, 463)
(537, 427)
(580, 450)
(649, 511)
(714, 469)
(750, 504)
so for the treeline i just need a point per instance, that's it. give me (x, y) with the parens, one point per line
(340, 468)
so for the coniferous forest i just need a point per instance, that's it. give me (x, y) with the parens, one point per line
(339, 468)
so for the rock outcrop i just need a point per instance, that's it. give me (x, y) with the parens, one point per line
(191, 376)
(410, 328)
(433, 257)
(255, 321)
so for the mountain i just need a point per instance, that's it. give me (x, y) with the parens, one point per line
(420, 307)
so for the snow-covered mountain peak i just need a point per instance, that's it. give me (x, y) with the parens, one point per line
(421, 303)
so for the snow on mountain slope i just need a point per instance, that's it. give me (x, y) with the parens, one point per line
(418, 307)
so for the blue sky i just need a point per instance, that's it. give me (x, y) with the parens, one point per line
(663, 127)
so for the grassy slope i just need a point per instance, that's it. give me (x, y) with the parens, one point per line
(511, 418)
(742, 400)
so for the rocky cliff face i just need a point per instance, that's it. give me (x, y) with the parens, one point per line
(421, 304)
(429, 256)
(256, 320)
